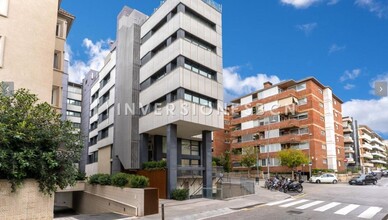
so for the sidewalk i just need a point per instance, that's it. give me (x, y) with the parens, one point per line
(206, 208)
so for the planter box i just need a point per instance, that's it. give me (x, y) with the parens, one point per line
(101, 199)
(158, 179)
(79, 186)
(26, 203)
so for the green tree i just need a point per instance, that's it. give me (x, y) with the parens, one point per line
(292, 158)
(36, 144)
(249, 158)
(225, 161)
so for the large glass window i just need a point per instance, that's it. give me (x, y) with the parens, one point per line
(190, 148)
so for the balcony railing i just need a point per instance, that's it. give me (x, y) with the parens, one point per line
(378, 154)
(367, 155)
(368, 164)
(349, 150)
(367, 146)
(348, 140)
(378, 148)
(378, 161)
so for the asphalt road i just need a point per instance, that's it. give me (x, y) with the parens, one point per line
(325, 201)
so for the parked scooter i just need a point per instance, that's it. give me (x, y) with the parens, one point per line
(291, 185)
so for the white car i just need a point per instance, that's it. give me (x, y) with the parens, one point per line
(324, 178)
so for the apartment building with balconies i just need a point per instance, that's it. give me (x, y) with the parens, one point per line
(351, 142)
(159, 93)
(72, 104)
(30, 60)
(302, 114)
(372, 149)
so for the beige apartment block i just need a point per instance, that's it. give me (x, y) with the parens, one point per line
(372, 150)
(32, 47)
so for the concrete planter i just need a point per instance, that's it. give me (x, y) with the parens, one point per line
(101, 199)
(79, 186)
(26, 203)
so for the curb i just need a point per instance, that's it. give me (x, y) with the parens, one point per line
(248, 206)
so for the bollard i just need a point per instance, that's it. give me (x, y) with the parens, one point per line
(162, 211)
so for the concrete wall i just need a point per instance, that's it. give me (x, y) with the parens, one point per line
(104, 164)
(26, 203)
(102, 199)
(28, 56)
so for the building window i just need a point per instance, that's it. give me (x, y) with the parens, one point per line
(104, 98)
(95, 96)
(335, 114)
(93, 157)
(336, 126)
(322, 118)
(302, 101)
(199, 69)
(75, 90)
(199, 42)
(335, 102)
(93, 141)
(198, 99)
(57, 60)
(324, 161)
(304, 130)
(105, 80)
(321, 104)
(60, 29)
(339, 163)
(301, 87)
(76, 125)
(4, 8)
(320, 91)
(104, 133)
(74, 102)
(323, 132)
(190, 148)
(2, 46)
(323, 146)
(103, 116)
(73, 114)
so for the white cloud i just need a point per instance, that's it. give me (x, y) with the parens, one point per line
(378, 7)
(333, 2)
(349, 86)
(96, 52)
(235, 85)
(350, 75)
(307, 28)
(335, 48)
(372, 113)
(300, 3)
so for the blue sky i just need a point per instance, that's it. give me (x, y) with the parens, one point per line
(343, 43)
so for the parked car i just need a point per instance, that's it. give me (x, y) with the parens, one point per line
(363, 180)
(324, 178)
(385, 173)
(377, 173)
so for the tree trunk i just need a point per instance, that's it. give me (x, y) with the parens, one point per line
(249, 172)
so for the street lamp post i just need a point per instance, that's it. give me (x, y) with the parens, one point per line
(310, 164)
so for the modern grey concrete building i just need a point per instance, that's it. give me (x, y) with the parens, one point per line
(159, 94)
(181, 87)
(352, 146)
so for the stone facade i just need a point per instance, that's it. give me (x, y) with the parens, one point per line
(26, 203)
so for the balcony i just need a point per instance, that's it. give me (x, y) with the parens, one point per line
(378, 154)
(368, 164)
(378, 161)
(367, 146)
(350, 160)
(376, 140)
(367, 155)
(348, 119)
(349, 150)
(348, 140)
(377, 147)
(348, 130)
(366, 138)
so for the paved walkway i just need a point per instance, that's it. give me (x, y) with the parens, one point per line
(206, 208)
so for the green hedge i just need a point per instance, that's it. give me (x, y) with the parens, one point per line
(316, 171)
(138, 182)
(180, 194)
(119, 180)
(155, 165)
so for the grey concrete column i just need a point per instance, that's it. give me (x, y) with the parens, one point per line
(180, 61)
(179, 151)
(158, 147)
(116, 164)
(181, 93)
(206, 151)
(143, 148)
(172, 160)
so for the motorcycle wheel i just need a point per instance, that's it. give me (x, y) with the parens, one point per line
(299, 189)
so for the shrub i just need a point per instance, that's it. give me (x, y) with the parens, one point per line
(120, 179)
(138, 182)
(155, 165)
(93, 179)
(104, 179)
(180, 194)
(80, 176)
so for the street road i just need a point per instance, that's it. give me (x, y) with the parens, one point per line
(325, 201)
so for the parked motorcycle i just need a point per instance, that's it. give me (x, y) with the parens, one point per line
(291, 185)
